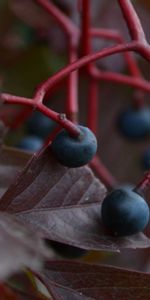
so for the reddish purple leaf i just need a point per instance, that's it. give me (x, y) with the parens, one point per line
(64, 205)
(61, 293)
(17, 247)
(11, 162)
(29, 296)
(95, 281)
(26, 287)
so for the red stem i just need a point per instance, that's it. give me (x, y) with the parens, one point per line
(138, 44)
(93, 105)
(93, 102)
(12, 99)
(102, 172)
(143, 185)
(61, 19)
(132, 20)
(141, 84)
(129, 58)
(116, 36)
(72, 95)
(59, 118)
(85, 26)
(49, 83)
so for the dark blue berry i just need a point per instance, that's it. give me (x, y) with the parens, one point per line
(30, 143)
(146, 160)
(65, 250)
(74, 152)
(40, 125)
(135, 124)
(124, 212)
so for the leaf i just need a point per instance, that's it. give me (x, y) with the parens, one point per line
(11, 162)
(26, 286)
(62, 293)
(28, 296)
(63, 204)
(95, 281)
(17, 247)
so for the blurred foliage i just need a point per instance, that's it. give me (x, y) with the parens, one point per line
(33, 66)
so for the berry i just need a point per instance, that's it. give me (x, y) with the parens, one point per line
(146, 159)
(65, 250)
(135, 124)
(30, 143)
(40, 125)
(124, 212)
(74, 152)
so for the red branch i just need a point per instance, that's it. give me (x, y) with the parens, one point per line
(144, 184)
(81, 39)
(49, 83)
(132, 20)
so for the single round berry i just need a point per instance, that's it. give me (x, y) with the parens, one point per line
(74, 152)
(40, 125)
(134, 123)
(124, 212)
(65, 250)
(146, 160)
(30, 143)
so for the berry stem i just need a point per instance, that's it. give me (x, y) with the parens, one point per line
(93, 104)
(50, 82)
(85, 50)
(85, 27)
(12, 99)
(139, 83)
(59, 118)
(104, 175)
(72, 95)
(138, 44)
(114, 35)
(132, 20)
(143, 185)
(65, 23)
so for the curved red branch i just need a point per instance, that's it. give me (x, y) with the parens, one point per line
(49, 83)
(132, 20)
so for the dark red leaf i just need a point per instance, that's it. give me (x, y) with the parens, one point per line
(11, 162)
(61, 293)
(95, 281)
(19, 247)
(64, 205)
(26, 287)
(29, 296)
